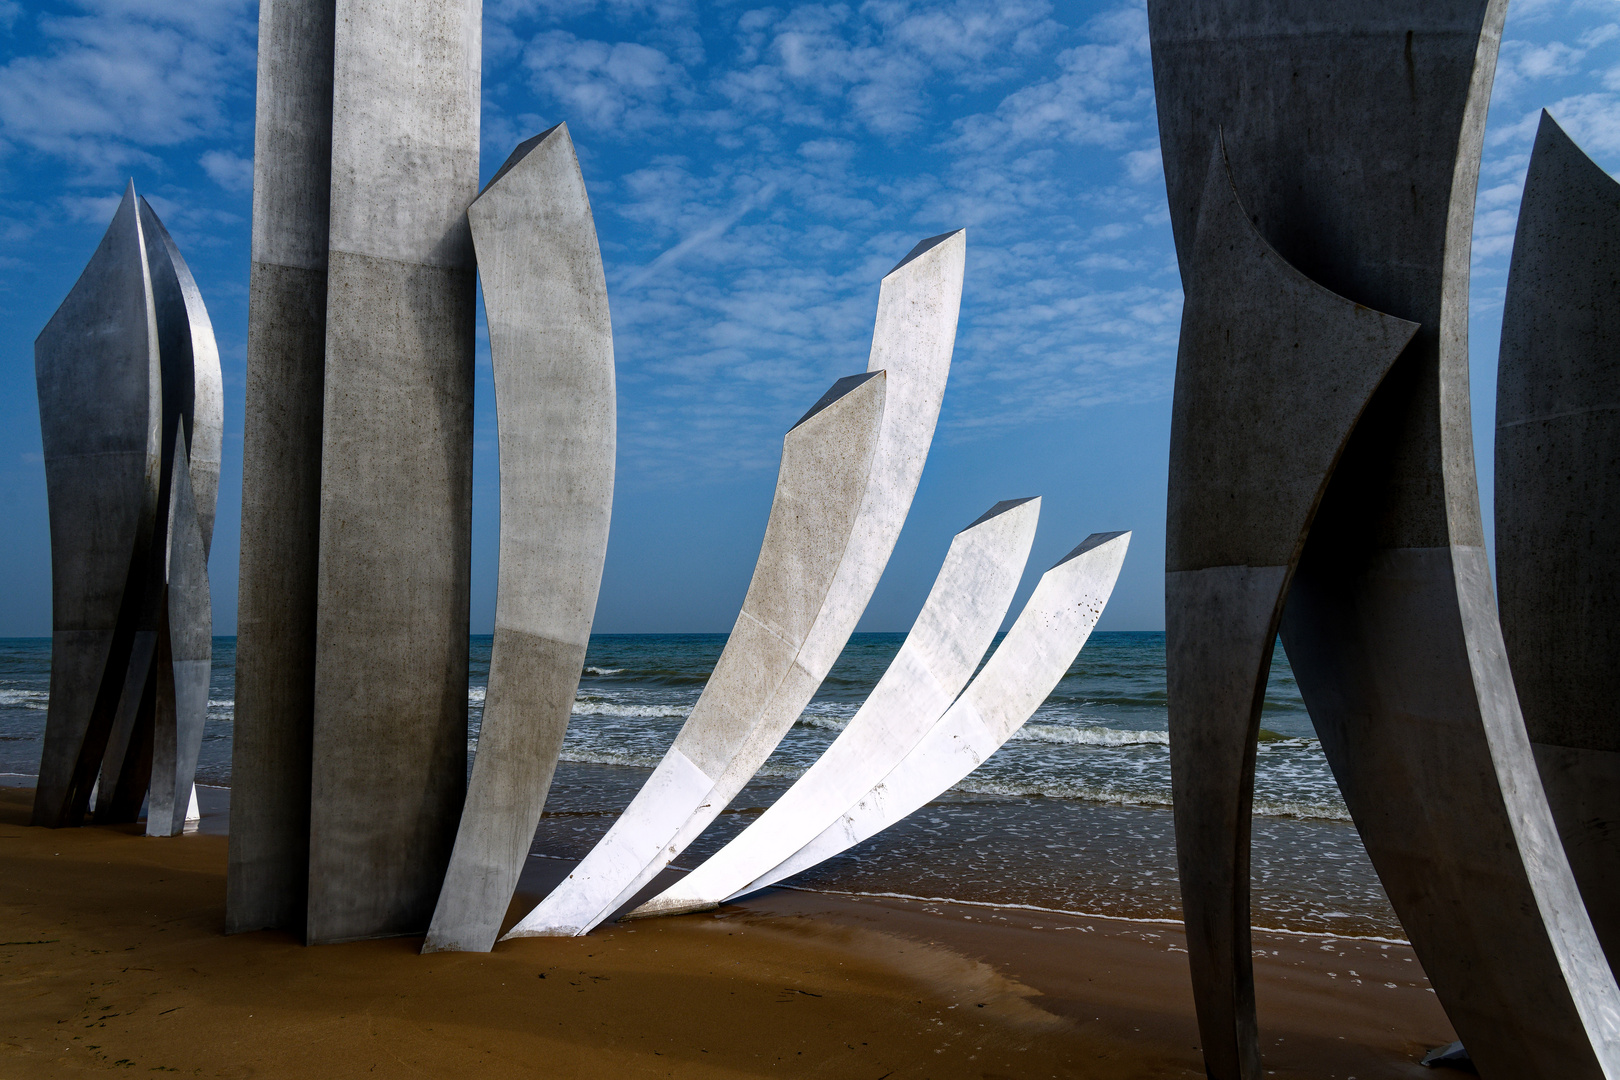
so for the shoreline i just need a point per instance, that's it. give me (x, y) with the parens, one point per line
(113, 937)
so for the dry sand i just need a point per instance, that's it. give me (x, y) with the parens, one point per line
(112, 958)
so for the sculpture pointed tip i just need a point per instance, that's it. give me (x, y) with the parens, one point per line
(925, 246)
(527, 146)
(1001, 508)
(1091, 543)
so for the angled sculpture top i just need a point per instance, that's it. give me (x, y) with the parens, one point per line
(1028, 664)
(957, 623)
(100, 398)
(801, 607)
(1558, 501)
(551, 346)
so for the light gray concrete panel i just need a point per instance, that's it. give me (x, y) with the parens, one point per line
(1558, 501)
(551, 346)
(957, 623)
(390, 715)
(100, 396)
(1354, 134)
(185, 655)
(268, 864)
(826, 465)
(1037, 652)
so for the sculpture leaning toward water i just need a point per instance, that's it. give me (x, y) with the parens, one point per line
(957, 623)
(551, 346)
(1558, 502)
(1322, 483)
(849, 470)
(1028, 664)
(131, 405)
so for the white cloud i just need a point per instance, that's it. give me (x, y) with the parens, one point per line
(227, 170)
(619, 85)
(124, 77)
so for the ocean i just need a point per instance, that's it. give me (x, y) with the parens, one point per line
(1072, 815)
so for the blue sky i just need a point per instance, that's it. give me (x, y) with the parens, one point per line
(753, 171)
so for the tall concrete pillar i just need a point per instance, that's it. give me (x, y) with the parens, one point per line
(266, 880)
(390, 689)
(1558, 502)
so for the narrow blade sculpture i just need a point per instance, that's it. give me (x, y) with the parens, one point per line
(1558, 502)
(794, 621)
(100, 401)
(1354, 134)
(184, 655)
(957, 623)
(826, 462)
(1025, 668)
(193, 405)
(551, 346)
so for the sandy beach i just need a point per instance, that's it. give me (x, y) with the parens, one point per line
(113, 959)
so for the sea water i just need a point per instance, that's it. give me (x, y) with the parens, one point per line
(1071, 815)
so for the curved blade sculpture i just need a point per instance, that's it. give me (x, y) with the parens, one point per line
(1558, 498)
(1028, 664)
(957, 623)
(184, 657)
(193, 406)
(100, 399)
(551, 344)
(826, 463)
(820, 561)
(1353, 134)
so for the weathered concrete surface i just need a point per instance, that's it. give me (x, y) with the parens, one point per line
(100, 396)
(390, 714)
(184, 658)
(957, 623)
(1558, 502)
(1353, 134)
(193, 403)
(731, 730)
(1025, 668)
(551, 345)
(825, 470)
(267, 879)
(1272, 374)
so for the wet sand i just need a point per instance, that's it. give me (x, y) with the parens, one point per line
(112, 958)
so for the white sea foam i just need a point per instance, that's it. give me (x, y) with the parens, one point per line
(592, 707)
(604, 671)
(475, 695)
(1090, 736)
(24, 699)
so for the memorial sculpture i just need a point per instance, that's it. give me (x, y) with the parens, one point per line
(130, 395)
(193, 413)
(1318, 158)
(351, 690)
(551, 349)
(1558, 500)
(849, 470)
(951, 634)
(1025, 668)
